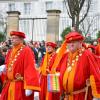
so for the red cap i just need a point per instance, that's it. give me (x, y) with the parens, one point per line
(21, 34)
(98, 39)
(91, 46)
(73, 36)
(51, 44)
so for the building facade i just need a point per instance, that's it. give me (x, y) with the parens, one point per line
(33, 18)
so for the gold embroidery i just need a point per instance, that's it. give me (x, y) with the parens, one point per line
(10, 65)
(70, 65)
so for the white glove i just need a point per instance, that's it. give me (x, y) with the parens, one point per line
(96, 99)
(2, 69)
(28, 92)
(36, 95)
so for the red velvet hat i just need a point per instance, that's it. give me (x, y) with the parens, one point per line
(51, 44)
(98, 39)
(21, 34)
(91, 46)
(73, 36)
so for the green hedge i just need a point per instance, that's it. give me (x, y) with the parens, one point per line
(2, 36)
(65, 32)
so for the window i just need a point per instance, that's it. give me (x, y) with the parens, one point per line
(64, 6)
(27, 8)
(49, 5)
(11, 7)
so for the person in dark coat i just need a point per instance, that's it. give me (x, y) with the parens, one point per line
(2, 60)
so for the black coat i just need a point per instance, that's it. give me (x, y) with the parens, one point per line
(36, 51)
(2, 61)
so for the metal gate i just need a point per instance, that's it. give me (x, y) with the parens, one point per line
(35, 28)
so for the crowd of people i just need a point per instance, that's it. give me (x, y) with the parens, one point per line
(27, 68)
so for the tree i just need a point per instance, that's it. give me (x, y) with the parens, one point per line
(2, 36)
(89, 25)
(98, 34)
(65, 32)
(74, 9)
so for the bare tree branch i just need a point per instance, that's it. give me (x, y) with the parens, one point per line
(89, 3)
(89, 22)
(81, 4)
(67, 9)
(74, 8)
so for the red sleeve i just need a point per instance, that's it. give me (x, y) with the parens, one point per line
(95, 75)
(30, 73)
(97, 50)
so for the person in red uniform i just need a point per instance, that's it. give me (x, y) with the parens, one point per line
(98, 48)
(91, 48)
(45, 69)
(79, 71)
(22, 79)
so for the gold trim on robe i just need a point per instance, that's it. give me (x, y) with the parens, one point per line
(10, 76)
(68, 78)
(31, 87)
(93, 86)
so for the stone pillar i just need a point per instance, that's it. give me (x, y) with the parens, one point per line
(12, 21)
(53, 25)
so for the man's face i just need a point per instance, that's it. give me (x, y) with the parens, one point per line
(49, 49)
(15, 40)
(74, 45)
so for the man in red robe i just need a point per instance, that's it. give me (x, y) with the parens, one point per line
(98, 48)
(91, 48)
(80, 71)
(22, 78)
(45, 69)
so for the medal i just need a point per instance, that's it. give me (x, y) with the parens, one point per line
(9, 69)
(11, 62)
(69, 68)
(71, 64)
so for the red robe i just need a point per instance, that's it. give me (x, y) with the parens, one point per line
(44, 94)
(98, 50)
(24, 66)
(86, 67)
